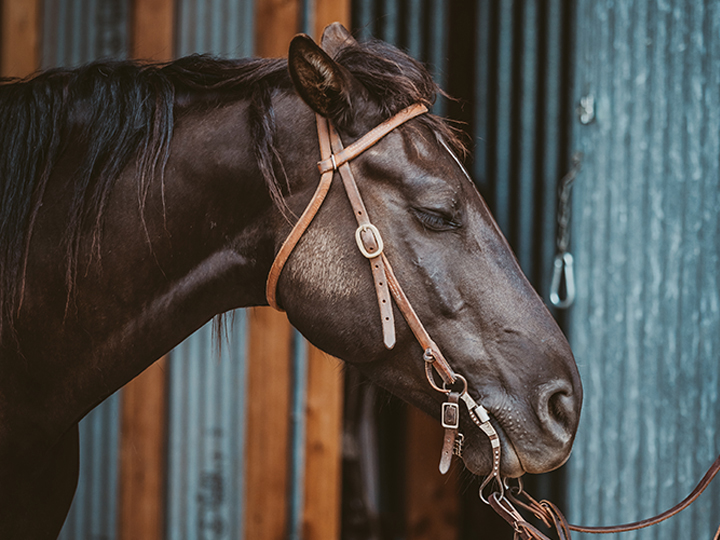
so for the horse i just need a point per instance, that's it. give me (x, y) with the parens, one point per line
(141, 200)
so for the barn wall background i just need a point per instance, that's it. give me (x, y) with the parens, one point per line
(161, 448)
(645, 326)
(196, 448)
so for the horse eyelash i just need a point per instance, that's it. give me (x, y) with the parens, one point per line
(436, 221)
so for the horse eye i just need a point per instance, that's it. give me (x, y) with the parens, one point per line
(436, 220)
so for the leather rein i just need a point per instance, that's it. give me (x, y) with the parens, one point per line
(501, 496)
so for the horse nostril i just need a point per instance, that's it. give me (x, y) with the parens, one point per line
(558, 410)
(560, 407)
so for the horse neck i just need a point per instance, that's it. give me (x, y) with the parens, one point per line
(203, 243)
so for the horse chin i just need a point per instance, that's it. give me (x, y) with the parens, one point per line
(477, 456)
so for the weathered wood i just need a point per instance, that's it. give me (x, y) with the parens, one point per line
(153, 23)
(323, 447)
(19, 37)
(267, 463)
(276, 22)
(329, 11)
(432, 503)
(144, 401)
(142, 456)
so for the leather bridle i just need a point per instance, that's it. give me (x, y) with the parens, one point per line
(502, 498)
(335, 157)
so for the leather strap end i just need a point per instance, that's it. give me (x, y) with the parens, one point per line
(389, 339)
(447, 451)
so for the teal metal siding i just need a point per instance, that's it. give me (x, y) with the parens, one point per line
(93, 514)
(219, 27)
(647, 241)
(206, 434)
(78, 31)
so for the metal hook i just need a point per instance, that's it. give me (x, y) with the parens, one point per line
(563, 267)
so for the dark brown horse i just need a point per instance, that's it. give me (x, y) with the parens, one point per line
(139, 201)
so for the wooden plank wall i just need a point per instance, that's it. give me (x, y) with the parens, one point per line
(19, 37)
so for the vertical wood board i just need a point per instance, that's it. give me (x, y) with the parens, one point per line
(323, 447)
(268, 401)
(20, 37)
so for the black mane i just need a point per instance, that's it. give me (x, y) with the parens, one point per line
(127, 111)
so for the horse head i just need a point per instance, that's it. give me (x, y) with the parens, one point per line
(447, 252)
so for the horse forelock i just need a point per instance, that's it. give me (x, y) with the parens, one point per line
(127, 110)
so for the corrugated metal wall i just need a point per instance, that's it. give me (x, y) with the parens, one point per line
(78, 31)
(509, 65)
(220, 27)
(75, 32)
(521, 122)
(647, 241)
(93, 514)
(206, 435)
(419, 26)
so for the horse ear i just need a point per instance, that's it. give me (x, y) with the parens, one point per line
(335, 38)
(326, 86)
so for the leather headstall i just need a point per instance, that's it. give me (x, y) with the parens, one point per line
(335, 157)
